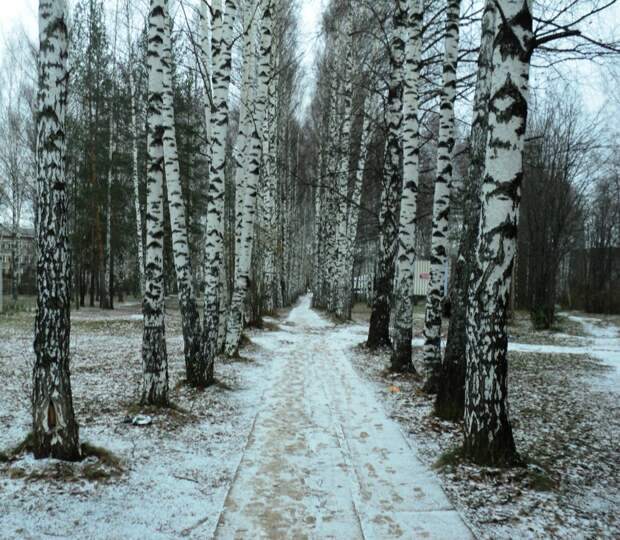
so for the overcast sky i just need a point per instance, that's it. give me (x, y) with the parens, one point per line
(583, 75)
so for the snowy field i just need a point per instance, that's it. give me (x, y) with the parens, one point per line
(307, 436)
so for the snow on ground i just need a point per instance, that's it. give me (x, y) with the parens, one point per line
(176, 471)
(566, 426)
(323, 460)
(293, 442)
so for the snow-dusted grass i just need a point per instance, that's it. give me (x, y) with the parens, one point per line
(172, 477)
(175, 473)
(566, 420)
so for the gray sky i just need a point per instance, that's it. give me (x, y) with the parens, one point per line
(585, 76)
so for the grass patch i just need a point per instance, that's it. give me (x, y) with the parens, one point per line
(450, 458)
(103, 455)
(540, 480)
(10, 454)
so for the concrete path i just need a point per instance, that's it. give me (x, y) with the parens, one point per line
(323, 460)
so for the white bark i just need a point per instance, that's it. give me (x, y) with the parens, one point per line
(269, 210)
(107, 300)
(441, 200)
(404, 273)
(134, 156)
(214, 244)
(488, 433)
(379, 328)
(55, 431)
(342, 279)
(178, 226)
(154, 356)
(249, 169)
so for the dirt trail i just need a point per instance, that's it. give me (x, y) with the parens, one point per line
(323, 460)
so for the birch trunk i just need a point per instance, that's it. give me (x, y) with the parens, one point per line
(107, 294)
(404, 279)
(354, 209)
(451, 389)
(488, 433)
(154, 356)
(206, 54)
(214, 244)
(270, 222)
(188, 306)
(54, 428)
(342, 279)
(134, 155)
(441, 201)
(251, 172)
(379, 331)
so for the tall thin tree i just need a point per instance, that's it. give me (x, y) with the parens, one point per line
(190, 319)
(441, 200)
(403, 287)
(214, 243)
(488, 432)
(451, 388)
(154, 355)
(379, 330)
(54, 428)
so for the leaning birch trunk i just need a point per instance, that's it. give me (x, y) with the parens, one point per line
(451, 389)
(214, 243)
(404, 279)
(488, 433)
(134, 156)
(154, 357)
(190, 320)
(441, 201)
(251, 172)
(344, 173)
(54, 429)
(379, 331)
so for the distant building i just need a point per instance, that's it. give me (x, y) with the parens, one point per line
(23, 247)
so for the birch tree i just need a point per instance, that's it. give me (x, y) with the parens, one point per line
(54, 428)
(134, 153)
(379, 330)
(344, 173)
(451, 388)
(107, 294)
(214, 243)
(488, 432)
(154, 356)
(178, 225)
(250, 169)
(356, 197)
(441, 200)
(403, 287)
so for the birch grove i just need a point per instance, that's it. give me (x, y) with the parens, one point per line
(205, 158)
